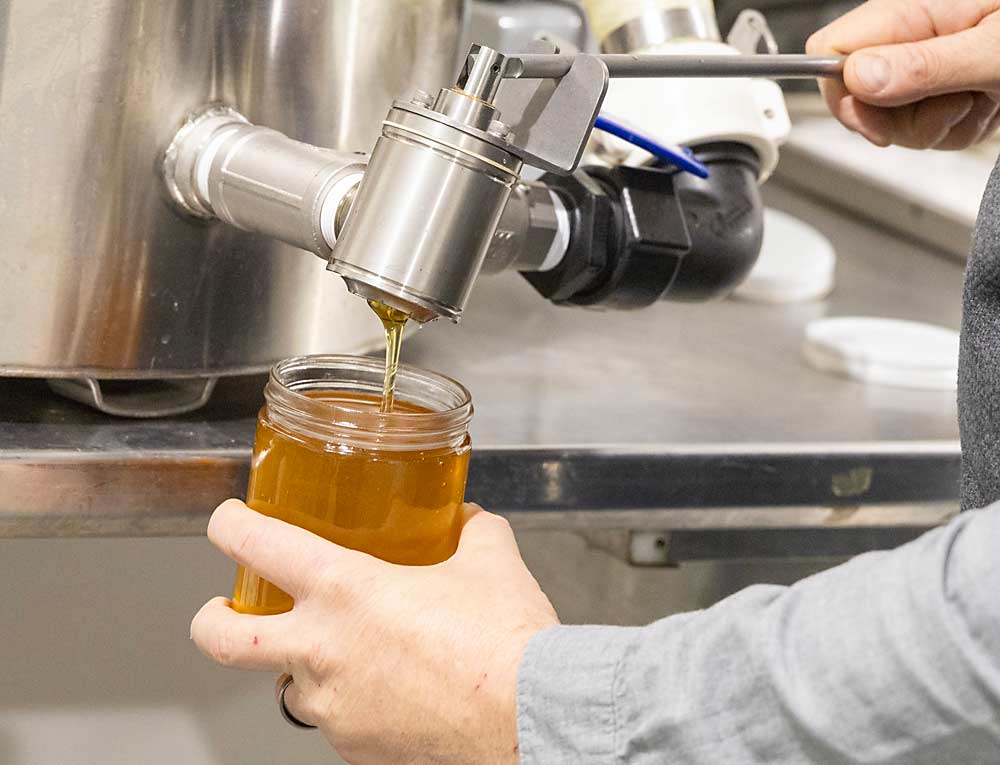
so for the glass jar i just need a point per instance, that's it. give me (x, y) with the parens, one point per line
(326, 459)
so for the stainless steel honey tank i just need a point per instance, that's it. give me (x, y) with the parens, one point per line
(100, 276)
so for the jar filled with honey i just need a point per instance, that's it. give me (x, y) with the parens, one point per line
(325, 458)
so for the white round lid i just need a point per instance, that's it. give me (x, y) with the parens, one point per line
(906, 354)
(796, 263)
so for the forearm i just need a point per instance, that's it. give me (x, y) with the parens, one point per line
(892, 657)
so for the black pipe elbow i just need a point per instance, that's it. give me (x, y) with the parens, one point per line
(639, 235)
(724, 216)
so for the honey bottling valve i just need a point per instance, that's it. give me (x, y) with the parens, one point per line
(218, 165)
(437, 183)
(413, 226)
(442, 171)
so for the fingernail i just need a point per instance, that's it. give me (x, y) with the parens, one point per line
(873, 71)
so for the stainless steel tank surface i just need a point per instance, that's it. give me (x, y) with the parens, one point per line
(100, 276)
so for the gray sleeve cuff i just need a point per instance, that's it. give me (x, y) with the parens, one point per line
(566, 694)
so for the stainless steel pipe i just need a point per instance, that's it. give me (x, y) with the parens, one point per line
(260, 180)
(533, 232)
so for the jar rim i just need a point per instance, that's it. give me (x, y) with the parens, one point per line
(449, 401)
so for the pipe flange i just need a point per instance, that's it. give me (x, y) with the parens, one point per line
(187, 152)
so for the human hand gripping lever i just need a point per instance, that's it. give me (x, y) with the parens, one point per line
(918, 74)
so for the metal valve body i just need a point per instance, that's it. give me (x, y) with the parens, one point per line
(428, 206)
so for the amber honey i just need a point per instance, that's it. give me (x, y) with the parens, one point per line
(393, 321)
(403, 505)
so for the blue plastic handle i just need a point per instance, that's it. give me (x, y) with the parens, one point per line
(679, 158)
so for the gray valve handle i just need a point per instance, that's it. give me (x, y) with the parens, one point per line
(550, 100)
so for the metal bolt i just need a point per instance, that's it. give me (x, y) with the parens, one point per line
(500, 130)
(422, 98)
(649, 548)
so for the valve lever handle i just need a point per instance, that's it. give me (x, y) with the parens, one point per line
(776, 66)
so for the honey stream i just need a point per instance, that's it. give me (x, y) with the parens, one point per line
(393, 320)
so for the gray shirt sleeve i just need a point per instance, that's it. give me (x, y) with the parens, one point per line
(893, 657)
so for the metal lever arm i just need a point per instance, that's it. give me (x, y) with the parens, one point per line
(550, 99)
(544, 66)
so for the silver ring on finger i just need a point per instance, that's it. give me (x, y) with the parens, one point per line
(291, 719)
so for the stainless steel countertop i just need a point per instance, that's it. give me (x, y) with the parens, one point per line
(678, 416)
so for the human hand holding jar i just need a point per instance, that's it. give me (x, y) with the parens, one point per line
(410, 655)
(393, 663)
(327, 459)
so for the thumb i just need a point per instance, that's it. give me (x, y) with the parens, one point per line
(484, 533)
(894, 75)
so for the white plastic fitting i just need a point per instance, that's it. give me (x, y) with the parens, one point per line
(689, 112)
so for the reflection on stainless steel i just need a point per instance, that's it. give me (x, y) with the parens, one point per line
(690, 22)
(514, 24)
(710, 419)
(100, 275)
(326, 72)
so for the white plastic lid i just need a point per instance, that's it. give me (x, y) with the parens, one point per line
(796, 263)
(905, 354)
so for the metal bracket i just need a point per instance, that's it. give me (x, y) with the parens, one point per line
(748, 32)
(137, 398)
(552, 118)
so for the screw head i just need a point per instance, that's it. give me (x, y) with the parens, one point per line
(500, 130)
(422, 98)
